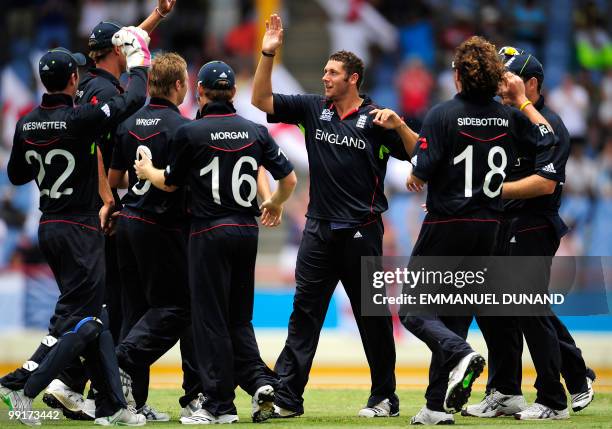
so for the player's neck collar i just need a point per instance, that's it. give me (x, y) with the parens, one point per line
(57, 99)
(217, 108)
(162, 102)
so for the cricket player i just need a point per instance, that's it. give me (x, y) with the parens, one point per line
(465, 148)
(218, 157)
(54, 145)
(349, 141)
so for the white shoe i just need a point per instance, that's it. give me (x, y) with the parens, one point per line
(203, 417)
(20, 403)
(123, 417)
(89, 408)
(460, 381)
(382, 409)
(126, 385)
(194, 406)
(582, 400)
(283, 413)
(428, 417)
(152, 415)
(58, 395)
(496, 404)
(542, 412)
(263, 404)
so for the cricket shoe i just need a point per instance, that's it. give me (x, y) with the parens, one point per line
(460, 382)
(204, 417)
(191, 408)
(383, 409)
(428, 417)
(582, 400)
(152, 415)
(20, 404)
(59, 395)
(496, 404)
(283, 413)
(263, 404)
(123, 417)
(541, 412)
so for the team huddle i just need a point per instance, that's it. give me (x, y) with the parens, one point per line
(174, 258)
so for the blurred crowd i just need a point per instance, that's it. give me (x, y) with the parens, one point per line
(407, 47)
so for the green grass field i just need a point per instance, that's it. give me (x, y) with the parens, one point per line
(330, 408)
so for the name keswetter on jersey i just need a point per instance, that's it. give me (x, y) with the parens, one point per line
(347, 156)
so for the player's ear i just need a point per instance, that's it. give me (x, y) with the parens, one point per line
(354, 78)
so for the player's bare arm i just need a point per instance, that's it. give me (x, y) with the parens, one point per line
(272, 208)
(387, 118)
(512, 89)
(528, 187)
(146, 171)
(163, 8)
(105, 194)
(262, 82)
(118, 179)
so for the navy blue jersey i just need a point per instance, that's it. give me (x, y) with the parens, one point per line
(347, 156)
(97, 86)
(554, 170)
(218, 156)
(150, 129)
(53, 144)
(465, 150)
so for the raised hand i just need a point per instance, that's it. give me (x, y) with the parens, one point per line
(273, 38)
(165, 6)
(512, 89)
(134, 43)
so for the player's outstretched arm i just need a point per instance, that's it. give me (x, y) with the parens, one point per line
(528, 187)
(272, 208)
(387, 118)
(262, 82)
(146, 171)
(164, 7)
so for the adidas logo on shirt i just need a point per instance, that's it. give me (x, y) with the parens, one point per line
(513, 239)
(357, 235)
(550, 168)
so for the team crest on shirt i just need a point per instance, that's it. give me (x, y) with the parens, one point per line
(361, 121)
(326, 115)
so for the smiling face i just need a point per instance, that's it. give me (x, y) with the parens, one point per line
(336, 82)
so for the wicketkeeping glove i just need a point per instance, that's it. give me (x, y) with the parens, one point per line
(134, 43)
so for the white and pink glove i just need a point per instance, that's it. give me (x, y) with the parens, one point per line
(134, 43)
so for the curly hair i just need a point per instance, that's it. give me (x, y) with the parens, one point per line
(480, 68)
(351, 62)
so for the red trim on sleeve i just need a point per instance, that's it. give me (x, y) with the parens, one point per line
(534, 228)
(373, 195)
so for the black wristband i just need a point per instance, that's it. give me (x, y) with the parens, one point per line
(266, 54)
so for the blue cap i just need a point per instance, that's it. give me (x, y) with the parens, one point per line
(216, 75)
(56, 66)
(524, 65)
(101, 36)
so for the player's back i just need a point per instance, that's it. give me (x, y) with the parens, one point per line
(227, 151)
(61, 158)
(470, 144)
(149, 130)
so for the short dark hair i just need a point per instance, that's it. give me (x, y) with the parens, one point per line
(480, 68)
(219, 94)
(55, 84)
(351, 62)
